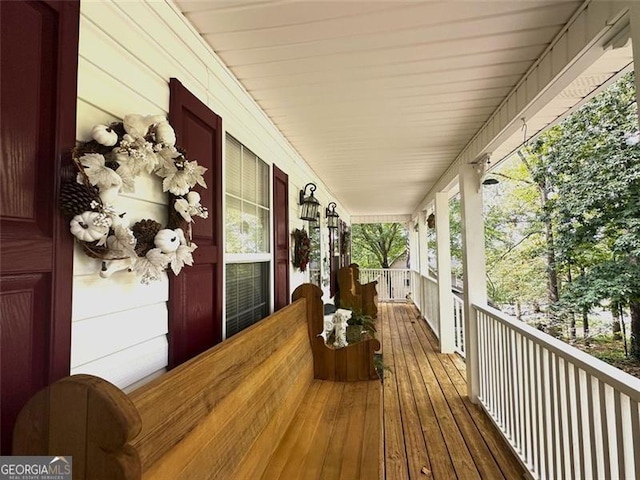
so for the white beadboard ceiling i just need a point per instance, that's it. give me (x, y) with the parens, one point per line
(379, 97)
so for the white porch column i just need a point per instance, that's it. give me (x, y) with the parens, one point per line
(475, 280)
(423, 268)
(443, 256)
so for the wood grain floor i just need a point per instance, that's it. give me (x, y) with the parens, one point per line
(431, 429)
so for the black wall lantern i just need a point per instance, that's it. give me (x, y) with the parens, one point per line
(332, 216)
(309, 203)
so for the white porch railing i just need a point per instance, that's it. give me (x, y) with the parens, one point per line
(458, 325)
(393, 284)
(432, 304)
(567, 414)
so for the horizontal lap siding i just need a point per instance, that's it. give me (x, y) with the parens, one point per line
(128, 53)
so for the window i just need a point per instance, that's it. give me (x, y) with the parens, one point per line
(247, 228)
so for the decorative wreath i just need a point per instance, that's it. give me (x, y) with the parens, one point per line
(302, 249)
(345, 242)
(107, 166)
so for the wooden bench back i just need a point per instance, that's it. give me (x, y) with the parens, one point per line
(201, 417)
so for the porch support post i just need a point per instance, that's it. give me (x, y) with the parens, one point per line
(473, 259)
(443, 249)
(423, 268)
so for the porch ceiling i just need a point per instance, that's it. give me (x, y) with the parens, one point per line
(379, 97)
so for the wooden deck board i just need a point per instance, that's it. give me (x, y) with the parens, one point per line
(425, 405)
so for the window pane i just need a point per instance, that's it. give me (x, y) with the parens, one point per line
(233, 166)
(249, 177)
(262, 231)
(263, 184)
(247, 295)
(233, 225)
(250, 227)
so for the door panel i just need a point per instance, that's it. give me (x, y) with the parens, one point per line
(281, 238)
(195, 296)
(39, 50)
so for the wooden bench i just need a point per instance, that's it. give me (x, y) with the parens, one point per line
(355, 296)
(271, 402)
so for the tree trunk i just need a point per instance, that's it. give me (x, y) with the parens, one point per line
(518, 310)
(634, 307)
(615, 325)
(585, 325)
(572, 314)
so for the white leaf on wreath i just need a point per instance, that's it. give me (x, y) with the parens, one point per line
(181, 257)
(98, 174)
(166, 160)
(180, 181)
(122, 242)
(156, 257)
(137, 154)
(147, 270)
(128, 180)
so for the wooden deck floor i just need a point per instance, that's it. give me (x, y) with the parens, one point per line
(431, 429)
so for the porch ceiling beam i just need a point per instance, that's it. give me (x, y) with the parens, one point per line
(581, 42)
(380, 219)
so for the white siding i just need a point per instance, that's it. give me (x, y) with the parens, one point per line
(128, 52)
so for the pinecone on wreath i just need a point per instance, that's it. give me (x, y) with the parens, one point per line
(145, 231)
(76, 198)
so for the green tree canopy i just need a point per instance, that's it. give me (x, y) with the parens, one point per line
(377, 245)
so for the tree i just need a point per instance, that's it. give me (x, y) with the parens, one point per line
(593, 201)
(377, 245)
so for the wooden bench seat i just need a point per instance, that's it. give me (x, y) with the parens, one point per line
(324, 429)
(271, 402)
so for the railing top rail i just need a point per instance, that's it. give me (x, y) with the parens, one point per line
(431, 279)
(385, 270)
(621, 381)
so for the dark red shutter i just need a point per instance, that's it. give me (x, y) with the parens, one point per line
(281, 237)
(195, 296)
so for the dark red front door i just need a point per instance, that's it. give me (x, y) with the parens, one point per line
(195, 296)
(39, 55)
(281, 238)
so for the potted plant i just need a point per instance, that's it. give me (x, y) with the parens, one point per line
(358, 324)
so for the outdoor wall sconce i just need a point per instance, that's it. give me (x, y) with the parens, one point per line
(332, 216)
(309, 203)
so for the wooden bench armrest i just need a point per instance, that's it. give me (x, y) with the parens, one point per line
(87, 418)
